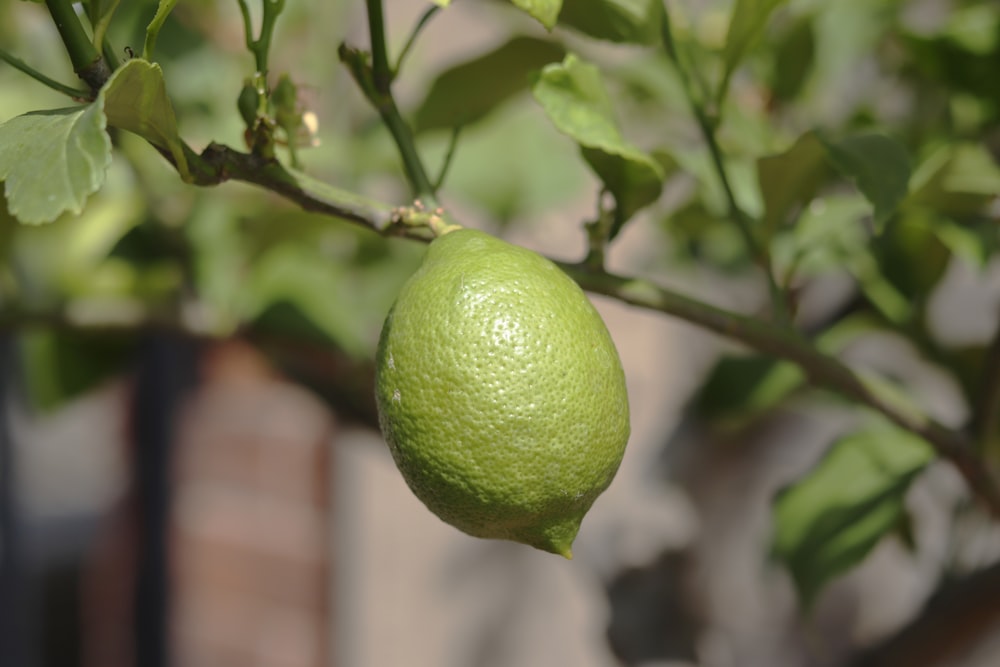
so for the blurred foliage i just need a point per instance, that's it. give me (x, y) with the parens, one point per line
(860, 138)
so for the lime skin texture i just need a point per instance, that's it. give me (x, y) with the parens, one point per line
(500, 392)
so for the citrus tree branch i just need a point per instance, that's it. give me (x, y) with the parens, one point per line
(87, 62)
(374, 75)
(822, 370)
(218, 163)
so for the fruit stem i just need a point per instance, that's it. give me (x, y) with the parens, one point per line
(418, 215)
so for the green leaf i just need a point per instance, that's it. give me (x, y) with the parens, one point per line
(974, 244)
(52, 161)
(878, 165)
(745, 27)
(975, 28)
(739, 387)
(828, 521)
(623, 21)
(826, 238)
(958, 180)
(342, 289)
(576, 101)
(789, 180)
(135, 99)
(544, 11)
(468, 92)
(794, 59)
(912, 255)
(299, 278)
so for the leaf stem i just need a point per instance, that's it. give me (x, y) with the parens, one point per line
(707, 125)
(87, 62)
(18, 64)
(154, 27)
(411, 40)
(100, 23)
(448, 156)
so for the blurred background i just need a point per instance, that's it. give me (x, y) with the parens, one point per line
(190, 468)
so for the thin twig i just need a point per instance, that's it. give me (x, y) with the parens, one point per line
(100, 23)
(17, 63)
(411, 40)
(449, 154)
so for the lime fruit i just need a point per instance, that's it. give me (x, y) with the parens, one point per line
(500, 392)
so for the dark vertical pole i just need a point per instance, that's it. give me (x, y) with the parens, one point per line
(11, 579)
(166, 371)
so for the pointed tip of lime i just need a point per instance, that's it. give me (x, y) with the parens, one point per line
(556, 538)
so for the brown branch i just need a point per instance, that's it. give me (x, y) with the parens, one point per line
(821, 369)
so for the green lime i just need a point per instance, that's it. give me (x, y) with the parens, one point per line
(500, 392)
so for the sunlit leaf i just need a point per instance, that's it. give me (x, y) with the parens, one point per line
(576, 101)
(828, 521)
(52, 161)
(135, 99)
